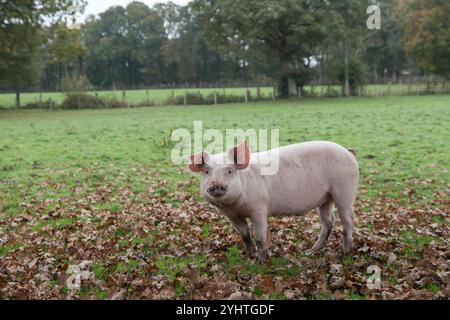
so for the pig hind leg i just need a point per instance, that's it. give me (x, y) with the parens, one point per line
(327, 220)
(344, 199)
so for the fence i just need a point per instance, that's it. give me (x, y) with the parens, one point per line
(211, 96)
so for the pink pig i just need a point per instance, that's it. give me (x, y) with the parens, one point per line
(310, 175)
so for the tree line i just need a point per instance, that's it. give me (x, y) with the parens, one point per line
(220, 43)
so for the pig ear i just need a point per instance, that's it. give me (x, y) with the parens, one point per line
(240, 156)
(198, 161)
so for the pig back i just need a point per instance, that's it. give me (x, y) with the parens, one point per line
(307, 173)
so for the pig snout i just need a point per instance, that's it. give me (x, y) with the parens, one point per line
(218, 190)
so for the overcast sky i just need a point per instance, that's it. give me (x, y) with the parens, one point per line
(98, 6)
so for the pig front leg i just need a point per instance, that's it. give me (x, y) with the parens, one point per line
(259, 222)
(241, 226)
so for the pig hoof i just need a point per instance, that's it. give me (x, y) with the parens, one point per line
(263, 260)
(317, 248)
(263, 257)
(347, 248)
(249, 252)
(311, 252)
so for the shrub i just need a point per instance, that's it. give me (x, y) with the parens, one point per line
(332, 93)
(199, 99)
(229, 98)
(83, 101)
(116, 104)
(191, 98)
(75, 84)
(47, 104)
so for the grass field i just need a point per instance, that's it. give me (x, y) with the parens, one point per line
(160, 96)
(98, 186)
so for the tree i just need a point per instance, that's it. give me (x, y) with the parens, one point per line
(384, 52)
(65, 51)
(146, 35)
(347, 26)
(107, 49)
(288, 30)
(20, 37)
(125, 46)
(426, 34)
(18, 50)
(187, 55)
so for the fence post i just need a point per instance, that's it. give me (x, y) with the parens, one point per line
(215, 97)
(50, 103)
(185, 99)
(409, 86)
(79, 100)
(389, 88)
(147, 98)
(258, 92)
(18, 100)
(40, 99)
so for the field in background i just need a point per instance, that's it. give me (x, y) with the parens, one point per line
(156, 96)
(396, 137)
(98, 186)
(161, 96)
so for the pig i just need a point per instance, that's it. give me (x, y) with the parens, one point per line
(310, 175)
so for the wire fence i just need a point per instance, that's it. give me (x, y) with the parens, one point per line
(211, 96)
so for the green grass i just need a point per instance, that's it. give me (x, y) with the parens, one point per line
(402, 144)
(133, 96)
(7, 249)
(159, 96)
(171, 267)
(127, 267)
(56, 224)
(100, 271)
(415, 243)
(433, 287)
(355, 296)
(279, 266)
